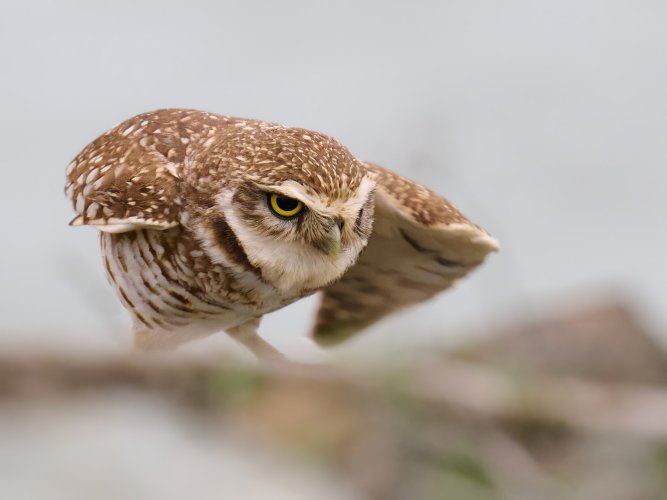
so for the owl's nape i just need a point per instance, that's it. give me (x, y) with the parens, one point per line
(208, 222)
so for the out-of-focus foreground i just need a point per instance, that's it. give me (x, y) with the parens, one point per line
(569, 406)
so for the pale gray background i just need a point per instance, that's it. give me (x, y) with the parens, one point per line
(544, 121)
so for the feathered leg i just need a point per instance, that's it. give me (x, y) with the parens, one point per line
(247, 335)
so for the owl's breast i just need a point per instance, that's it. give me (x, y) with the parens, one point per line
(167, 282)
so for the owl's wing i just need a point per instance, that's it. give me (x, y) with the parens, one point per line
(421, 245)
(127, 178)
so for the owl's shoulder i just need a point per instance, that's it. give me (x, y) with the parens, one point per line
(129, 176)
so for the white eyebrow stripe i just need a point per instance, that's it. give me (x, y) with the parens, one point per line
(322, 205)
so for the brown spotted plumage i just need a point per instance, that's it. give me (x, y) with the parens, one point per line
(208, 222)
(421, 245)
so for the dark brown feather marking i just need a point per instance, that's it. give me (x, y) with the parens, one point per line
(448, 262)
(179, 297)
(439, 259)
(107, 265)
(121, 260)
(150, 287)
(167, 270)
(161, 324)
(141, 318)
(228, 240)
(124, 295)
(188, 305)
(414, 244)
(182, 308)
(152, 305)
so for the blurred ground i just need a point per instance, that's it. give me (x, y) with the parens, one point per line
(572, 405)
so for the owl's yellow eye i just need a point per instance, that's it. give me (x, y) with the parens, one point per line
(284, 206)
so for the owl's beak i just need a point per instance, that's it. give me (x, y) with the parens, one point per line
(334, 242)
(331, 244)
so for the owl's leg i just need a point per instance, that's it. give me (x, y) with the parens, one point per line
(247, 335)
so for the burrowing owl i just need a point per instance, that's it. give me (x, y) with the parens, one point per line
(209, 222)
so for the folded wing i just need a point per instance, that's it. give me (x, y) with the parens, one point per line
(127, 178)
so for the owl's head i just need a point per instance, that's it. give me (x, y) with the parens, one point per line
(293, 205)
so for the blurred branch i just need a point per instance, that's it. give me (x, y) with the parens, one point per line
(443, 425)
(582, 405)
(453, 386)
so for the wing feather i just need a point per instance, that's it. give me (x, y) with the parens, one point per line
(421, 245)
(127, 178)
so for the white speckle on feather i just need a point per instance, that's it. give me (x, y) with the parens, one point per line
(80, 203)
(91, 211)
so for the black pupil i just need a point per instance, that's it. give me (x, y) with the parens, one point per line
(286, 204)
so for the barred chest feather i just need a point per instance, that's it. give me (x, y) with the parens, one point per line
(168, 283)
